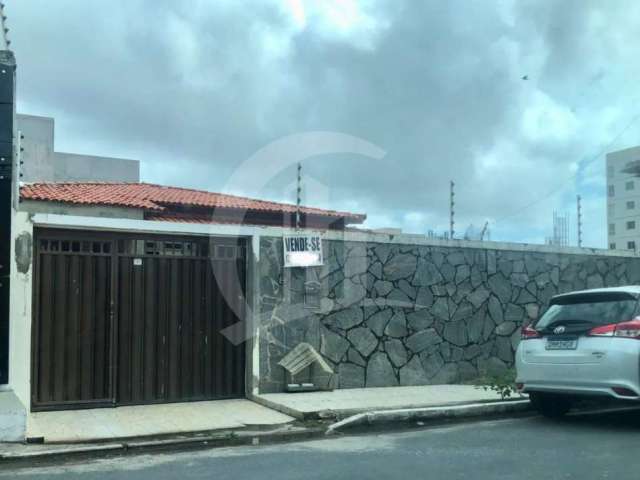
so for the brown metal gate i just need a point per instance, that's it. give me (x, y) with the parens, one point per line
(73, 328)
(123, 320)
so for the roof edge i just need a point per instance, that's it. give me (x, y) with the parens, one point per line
(155, 205)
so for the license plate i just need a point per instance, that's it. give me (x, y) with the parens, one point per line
(562, 344)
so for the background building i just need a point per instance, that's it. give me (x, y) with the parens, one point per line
(623, 199)
(43, 164)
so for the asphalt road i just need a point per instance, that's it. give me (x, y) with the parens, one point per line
(581, 447)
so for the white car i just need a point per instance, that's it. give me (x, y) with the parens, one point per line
(587, 344)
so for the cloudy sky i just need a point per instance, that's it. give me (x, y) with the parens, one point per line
(195, 88)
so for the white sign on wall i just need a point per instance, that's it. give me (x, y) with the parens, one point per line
(302, 250)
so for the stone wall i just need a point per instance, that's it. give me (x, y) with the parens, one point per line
(392, 314)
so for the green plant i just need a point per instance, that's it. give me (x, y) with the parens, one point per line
(503, 384)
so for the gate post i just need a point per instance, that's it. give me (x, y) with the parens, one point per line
(8, 184)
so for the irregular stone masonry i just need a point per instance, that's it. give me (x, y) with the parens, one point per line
(413, 315)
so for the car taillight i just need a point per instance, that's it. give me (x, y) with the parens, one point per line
(630, 329)
(603, 331)
(527, 332)
(624, 392)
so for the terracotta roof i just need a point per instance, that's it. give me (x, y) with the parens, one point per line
(187, 218)
(209, 219)
(160, 198)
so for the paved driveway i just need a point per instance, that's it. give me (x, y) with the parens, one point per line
(581, 447)
(109, 423)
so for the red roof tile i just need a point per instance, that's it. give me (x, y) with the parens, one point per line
(159, 198)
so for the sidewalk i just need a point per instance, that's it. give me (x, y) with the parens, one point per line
(104, 424)
(343, 403)
(242, 422)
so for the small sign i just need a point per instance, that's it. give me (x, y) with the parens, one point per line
(137, 262)
(302, 251)
(312, 294)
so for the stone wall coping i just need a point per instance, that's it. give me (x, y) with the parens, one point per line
(123, 224)
(422, 240)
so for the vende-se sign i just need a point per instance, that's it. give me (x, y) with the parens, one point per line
(302, 251)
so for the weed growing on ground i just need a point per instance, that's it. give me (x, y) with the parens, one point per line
(503, 384)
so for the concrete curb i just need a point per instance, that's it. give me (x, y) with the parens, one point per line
(431, 413)
(29, 455)
(219, 440)
(344, 413)
(298, 415)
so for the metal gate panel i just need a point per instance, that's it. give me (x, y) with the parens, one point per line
(171, 311)
(229, 301)
(72, 323)
(131, 319)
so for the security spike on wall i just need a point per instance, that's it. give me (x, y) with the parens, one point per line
(452, 212)
(579, 219)
(298, 195)
(5, 30)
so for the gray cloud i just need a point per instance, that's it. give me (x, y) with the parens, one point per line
(193, 91)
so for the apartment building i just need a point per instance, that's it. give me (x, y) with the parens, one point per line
(623, 199)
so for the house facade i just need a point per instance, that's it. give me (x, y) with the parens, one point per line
(122, 293)
(138, 294)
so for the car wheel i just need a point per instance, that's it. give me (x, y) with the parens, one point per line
(549, 405)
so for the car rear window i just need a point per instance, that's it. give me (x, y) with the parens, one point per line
(595, 309)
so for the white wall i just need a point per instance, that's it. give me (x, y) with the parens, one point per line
(59, 208)
(38, 147)
(20, 318)
(72, 167)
